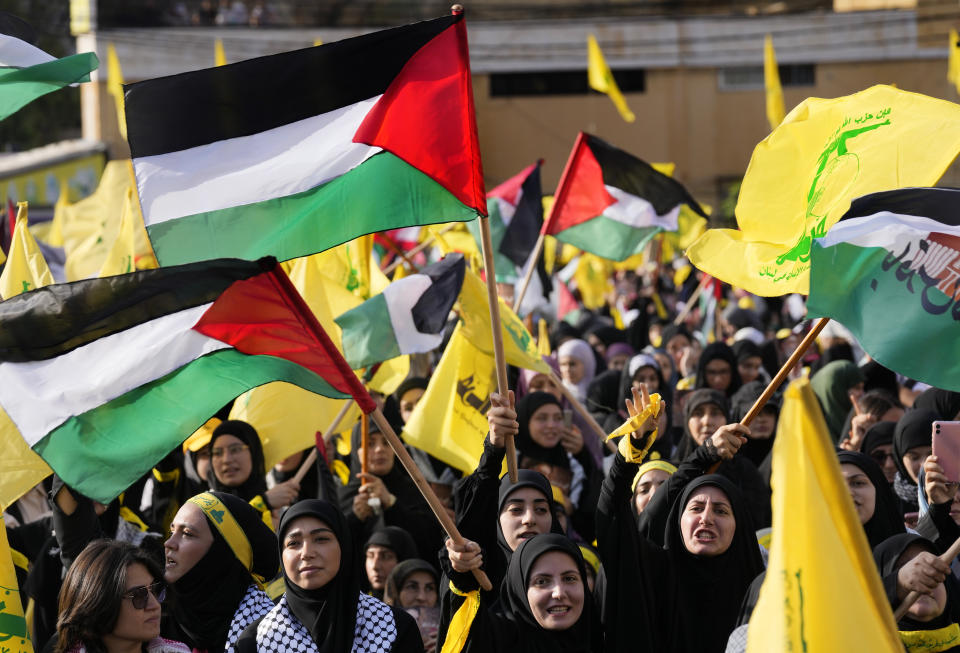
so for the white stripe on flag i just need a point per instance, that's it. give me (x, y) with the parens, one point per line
(264, 166)
(637, 212)
(41, 395)
(885, 229)
(400, 298)
(15, 53)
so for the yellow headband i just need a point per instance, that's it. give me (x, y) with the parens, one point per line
(591, 559)
(662, 465)
(223, 519)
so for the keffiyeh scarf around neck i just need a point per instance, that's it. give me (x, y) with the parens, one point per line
(280, 631)
(254, 605)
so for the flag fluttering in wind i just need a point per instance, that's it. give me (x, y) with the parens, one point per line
(822, 591)
(26, 269)
(13, 626)
(219, 56)
(406, 318)
(115, 87)
(610, 203)
(295, 153)
(177, 344)
(803, 176)
(27, 72)
(898, 249)
(953, 59)
(771, 84)
(601, 78)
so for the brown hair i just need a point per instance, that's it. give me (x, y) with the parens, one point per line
(91, 593)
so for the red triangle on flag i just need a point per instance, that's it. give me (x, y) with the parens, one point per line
(510, 189)
(566, 302)
(581, 194)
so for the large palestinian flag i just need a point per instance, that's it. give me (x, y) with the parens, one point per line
(104, 377)
(27, 72)
(298, 152)
(610, 203)
(889, 271)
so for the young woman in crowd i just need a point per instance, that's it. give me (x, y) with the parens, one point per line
(717, 369)
(381, 553)
(875, 503)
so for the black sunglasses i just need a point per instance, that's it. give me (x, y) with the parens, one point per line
(139, 594)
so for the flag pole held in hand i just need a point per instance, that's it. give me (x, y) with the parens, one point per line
(912, 597)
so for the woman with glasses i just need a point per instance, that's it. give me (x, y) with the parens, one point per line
(110, 603)
(717, 369)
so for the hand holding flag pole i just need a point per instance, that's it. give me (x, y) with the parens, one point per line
(912, 597)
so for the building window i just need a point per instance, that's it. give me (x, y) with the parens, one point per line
(560, 82)
(749, 78)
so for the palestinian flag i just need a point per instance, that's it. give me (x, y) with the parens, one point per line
(301, 151)
(406, 318)
(610, 203)
(518, 205)
(104, 377)
(889, 271)
(27, 72)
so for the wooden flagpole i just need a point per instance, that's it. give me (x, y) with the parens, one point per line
(312, 456)
(398, 251)
(365, 445)
(693, 299)
(419, 248)
(583, 412)
(537, 250)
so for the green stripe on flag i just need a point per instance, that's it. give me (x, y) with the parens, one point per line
(368, 335)
(103, 451)
(20, 86)
(608, 238)
(383, 192)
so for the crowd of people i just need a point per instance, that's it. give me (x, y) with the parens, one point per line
(653, 542)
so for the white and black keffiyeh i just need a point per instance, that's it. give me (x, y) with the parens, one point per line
(254, 605)
(281, 632)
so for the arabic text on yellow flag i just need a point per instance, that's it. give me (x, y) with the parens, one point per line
(771, 82)
(26, 269)
(822, 591)
(601, 78)
(450, 420)
(219, 56)
(115, 87)
(953, 59)
(802, 177)
(13, 626)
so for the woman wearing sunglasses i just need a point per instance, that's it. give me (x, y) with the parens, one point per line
(110, 603)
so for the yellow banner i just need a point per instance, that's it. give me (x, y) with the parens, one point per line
(771, 83)
(26, 269)
(14, 635)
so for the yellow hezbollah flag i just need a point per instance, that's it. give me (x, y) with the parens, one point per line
(20, 467)
(122, 257)
(450, 420)
(115, 87)
(219, 56)
(822, 591)
(771, 82)
(802, 177)
(601, 78)
(26, 269)
(594, 277)
(13, 625)
(953, 60)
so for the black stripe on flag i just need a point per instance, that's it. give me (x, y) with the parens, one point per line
(17, 28)
(524, 228)
(53, 320)
(940, 204)
(431, 310)
(628, 173)
(174, 113)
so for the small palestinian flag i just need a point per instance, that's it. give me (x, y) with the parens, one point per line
(104, 377)
(889, 271)
(406, 318)
(518, 204)
(610, 203)
(27, 72)
(301, 151)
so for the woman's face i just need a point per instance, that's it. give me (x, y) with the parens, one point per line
(707, 523)
(927, 607)
(913, 460)
(618, 362)
(379, 561)
(555, 591)
(134, 624)
(190, 539)
(419, 590)
(231, 460)
(526, 513)
(675, 348)
(883, 454)
(749, 368)
(719, 374)
(704, 421)
(544, 383)
(546, 425)
(763, 425)
(381, 457)
(203, 463)
(311, 553)
(666, 364)
(409, 401)
(647, 375)
(571, 369)
(862, 491)
(647, 486)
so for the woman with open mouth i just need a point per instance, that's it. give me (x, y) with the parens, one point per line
(323, 609)
(217, 556)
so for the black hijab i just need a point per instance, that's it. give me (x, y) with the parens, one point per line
(714, 585)
(330, 612)
(718, 351)
(877, 435)
(886, 520)
(394, 538)
(742, 401)
(532, 479)
(526, 446)
(913, 430)
(206, 597)
(944, 403)
(696, 399)
(256, 483)
(878, 377)
(585, 635)
(399, 576)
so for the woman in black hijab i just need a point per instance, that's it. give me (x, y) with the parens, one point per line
(911, 445)
(717, 369)
(381, 553)
(217, 557)
(544, 603)
(323, 609)
(644, 368)
(885, 519)
(944, 403)
(878, 444)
